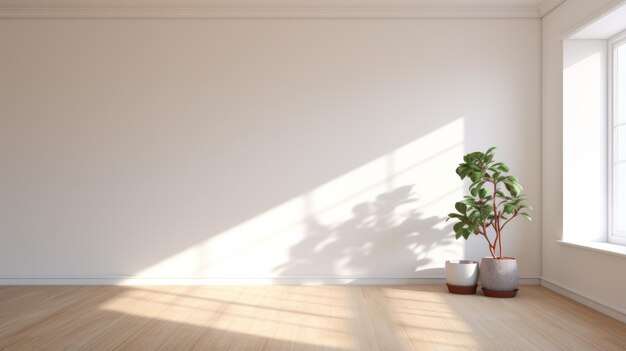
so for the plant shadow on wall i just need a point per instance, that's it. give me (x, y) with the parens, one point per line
(380, 218)
(387, 228)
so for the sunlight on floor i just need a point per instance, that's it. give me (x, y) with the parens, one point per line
(265, 312)
(428, 318)
(302, 318)
(335, 317)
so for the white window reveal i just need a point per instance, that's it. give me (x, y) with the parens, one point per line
(617, 112)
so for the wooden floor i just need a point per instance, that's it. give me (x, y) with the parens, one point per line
(297, 318)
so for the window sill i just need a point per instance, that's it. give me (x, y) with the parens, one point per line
(608, 248)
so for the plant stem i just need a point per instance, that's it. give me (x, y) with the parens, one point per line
(508, 220)
(500, 243)
(491, 247)
(496, 225)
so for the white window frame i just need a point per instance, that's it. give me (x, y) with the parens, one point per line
(613, 237)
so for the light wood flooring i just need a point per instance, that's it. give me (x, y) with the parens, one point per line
(296, 318)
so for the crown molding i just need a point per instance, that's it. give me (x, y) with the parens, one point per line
(282, 11)
(580, 25)
(546, 6)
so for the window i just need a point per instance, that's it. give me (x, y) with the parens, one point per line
(617, 139)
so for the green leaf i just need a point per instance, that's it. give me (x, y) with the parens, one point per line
(466, 234)
(462, 170)
(479, 184)
(490, 150)
(482, 193)
(513, 188)
(503, 168)
(474, 191)
(458, 226)
(475, 176)
(461, 207)
(526, 215)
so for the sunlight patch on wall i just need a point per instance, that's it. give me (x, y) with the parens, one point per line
(387, 215)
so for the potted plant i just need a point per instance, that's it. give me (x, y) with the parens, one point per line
(462, 276)
(495, 199)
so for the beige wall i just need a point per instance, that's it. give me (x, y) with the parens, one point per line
(257, 149)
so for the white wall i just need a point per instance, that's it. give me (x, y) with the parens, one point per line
(597, 276)
(257, 148)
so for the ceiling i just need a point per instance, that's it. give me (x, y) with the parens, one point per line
(278, 8)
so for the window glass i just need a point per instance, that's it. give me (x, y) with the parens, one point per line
(621, 143)
(620, 198)
(619, 158)
(620, 83)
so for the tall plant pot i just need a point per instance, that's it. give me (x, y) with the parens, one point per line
(462, 276)
(499, 277)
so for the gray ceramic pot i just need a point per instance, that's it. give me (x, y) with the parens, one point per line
(498, 275)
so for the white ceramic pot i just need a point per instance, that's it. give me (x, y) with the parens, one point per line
(462, 272)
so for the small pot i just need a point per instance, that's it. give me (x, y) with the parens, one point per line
(462, 276)
(499, 274)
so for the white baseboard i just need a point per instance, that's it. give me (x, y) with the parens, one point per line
(122, 280)
(589, 301)
(529, 280)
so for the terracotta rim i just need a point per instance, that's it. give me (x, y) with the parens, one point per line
(463, 290)
(501, 294)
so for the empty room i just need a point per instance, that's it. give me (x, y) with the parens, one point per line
(313, 175)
